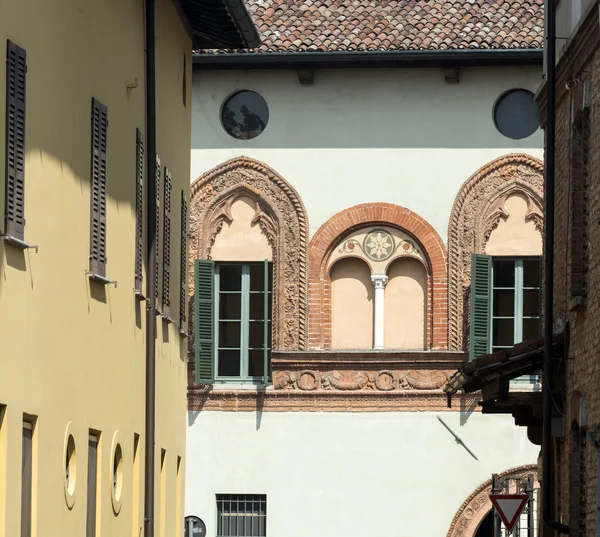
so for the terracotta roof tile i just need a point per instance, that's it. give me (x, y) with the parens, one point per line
(343, 25)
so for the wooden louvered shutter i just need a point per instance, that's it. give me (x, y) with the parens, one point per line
(481, 293)
(98, 189)
(156, 278)
(14, 202)
(204, 320)
(183, 264)
(166, 276)
(139, 209)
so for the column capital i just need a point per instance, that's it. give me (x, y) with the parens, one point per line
(379, 280)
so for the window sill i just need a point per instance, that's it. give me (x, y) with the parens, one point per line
(18, 243)
(102, 280)
(241, 385)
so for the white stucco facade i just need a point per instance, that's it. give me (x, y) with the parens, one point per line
(402, 136)
(338, 474)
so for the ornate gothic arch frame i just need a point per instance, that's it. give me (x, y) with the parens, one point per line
(471, 513)
(371, 214)
(282, 218)
(477, 210)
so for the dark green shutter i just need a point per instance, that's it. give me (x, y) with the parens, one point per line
(183, 264)
(481, 294)
(157, 215)
(98, 189)
(166, 251)
(204, 320)
(14, 201)
(139, 202)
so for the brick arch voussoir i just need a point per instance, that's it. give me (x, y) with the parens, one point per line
(470, 224)
(345, 222)
(473, 510)
(286, 224)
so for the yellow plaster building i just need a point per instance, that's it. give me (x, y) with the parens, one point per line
(76, 135)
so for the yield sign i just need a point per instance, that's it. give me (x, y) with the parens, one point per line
(509, 507)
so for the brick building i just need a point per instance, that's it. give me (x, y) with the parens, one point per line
(574, 373)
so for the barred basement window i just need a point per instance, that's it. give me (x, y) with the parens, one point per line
(241, 515)
(157, 256)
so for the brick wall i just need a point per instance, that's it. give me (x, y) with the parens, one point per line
(582, 397)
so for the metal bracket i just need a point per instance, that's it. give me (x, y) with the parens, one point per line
(167, 319)
(457, 438)
(100, 279)
(183, 333)
(139, 295)
(13, 241)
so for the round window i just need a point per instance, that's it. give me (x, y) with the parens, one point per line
(118, 472)
(245, 115)
(516, 114)
(70, 466)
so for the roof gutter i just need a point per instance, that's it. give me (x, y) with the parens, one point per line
(368, 58)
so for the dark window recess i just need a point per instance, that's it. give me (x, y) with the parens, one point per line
(157, 256)
(92, 479)
(580, 145)
(14, 201)
(166, 275)
(98, 189)
(241, 515)
(245, 115)
(139, 209)
(26, 479)
(183, 264)
(517, 114)
(577, 482)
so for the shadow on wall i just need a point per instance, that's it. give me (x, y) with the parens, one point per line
(394, 108)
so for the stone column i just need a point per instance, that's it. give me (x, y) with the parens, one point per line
(379, 282)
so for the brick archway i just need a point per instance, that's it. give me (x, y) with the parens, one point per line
(368, 214)
(473, 510)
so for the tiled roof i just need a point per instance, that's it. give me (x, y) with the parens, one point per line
(386, 25)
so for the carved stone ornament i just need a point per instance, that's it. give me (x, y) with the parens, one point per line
(474, 509)
(477, 210)
(281, 217)
(352, 380)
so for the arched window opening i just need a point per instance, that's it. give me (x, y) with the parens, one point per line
(352, 305)
(486, 528)
(405, 305)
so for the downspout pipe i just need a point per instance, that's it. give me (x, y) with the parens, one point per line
(150, 267)
(547, 515)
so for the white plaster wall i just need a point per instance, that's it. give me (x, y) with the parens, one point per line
(402, 136)
(348, 474)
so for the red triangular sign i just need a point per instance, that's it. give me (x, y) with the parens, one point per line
(509, 507)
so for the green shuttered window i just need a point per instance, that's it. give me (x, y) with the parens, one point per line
(233, 305)
(14, 200)
(505, 302)
(98, 189)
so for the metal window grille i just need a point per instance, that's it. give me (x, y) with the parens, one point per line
(241, 515)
